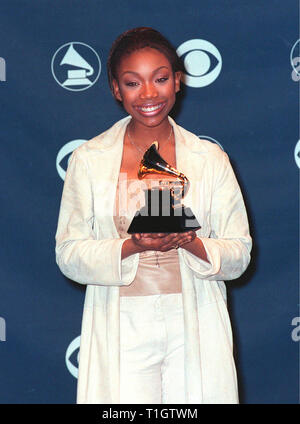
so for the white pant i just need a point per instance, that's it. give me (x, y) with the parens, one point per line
(151, 349)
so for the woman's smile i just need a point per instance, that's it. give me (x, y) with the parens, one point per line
(151, 109)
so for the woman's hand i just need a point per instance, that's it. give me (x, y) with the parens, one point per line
(162, 241)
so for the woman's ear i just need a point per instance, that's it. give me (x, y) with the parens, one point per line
(116, 90)
(177, 81)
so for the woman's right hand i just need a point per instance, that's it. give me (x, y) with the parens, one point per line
(162, 241)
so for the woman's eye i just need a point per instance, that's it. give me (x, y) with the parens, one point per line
(131, 84)
(163, 79)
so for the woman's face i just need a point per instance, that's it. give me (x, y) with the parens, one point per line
(146, 86)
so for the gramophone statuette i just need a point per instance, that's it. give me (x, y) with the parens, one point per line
(163, 211)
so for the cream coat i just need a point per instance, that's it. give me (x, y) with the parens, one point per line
(88, 250)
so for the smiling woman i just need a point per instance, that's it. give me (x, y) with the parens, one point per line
(146, 86)
(155, 325)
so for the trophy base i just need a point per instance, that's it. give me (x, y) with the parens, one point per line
(186, 221)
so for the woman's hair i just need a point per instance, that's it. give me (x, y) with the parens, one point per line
(136, 39)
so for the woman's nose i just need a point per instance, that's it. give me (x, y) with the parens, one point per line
(148, 92)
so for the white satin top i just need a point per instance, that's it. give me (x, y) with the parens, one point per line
(158, 272)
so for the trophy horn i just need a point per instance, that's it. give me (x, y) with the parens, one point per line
(153, 163)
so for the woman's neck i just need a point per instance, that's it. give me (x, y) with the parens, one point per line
(143, 136)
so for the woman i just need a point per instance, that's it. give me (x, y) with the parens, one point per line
(155, 324)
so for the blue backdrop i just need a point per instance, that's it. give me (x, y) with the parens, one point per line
(241, 91)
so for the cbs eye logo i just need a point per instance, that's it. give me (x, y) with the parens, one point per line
(199, 57)
(213, 140)
(72, 357)
(297, 154)
(64, 155)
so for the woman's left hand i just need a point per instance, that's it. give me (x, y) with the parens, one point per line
(167, 241)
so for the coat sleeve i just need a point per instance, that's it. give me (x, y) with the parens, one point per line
(229, 245)
(79, 255)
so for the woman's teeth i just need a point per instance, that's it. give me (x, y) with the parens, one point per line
(150, 108)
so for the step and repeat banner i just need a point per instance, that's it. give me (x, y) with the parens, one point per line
(241, 90)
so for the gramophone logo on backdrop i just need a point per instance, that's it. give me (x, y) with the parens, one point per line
(76, 66)
(295, 61)
(202, 61)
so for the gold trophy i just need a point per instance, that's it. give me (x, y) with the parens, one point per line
(163, 211)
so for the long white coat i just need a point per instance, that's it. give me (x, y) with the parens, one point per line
(88, 250)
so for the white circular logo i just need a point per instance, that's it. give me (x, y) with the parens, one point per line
(198, 59)
(297, 154)
(206, 137)
(72, 356)
(65, 151)
(295, 61)
(76, 66)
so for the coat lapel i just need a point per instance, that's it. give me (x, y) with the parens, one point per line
(107, 163)
(190, 162)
